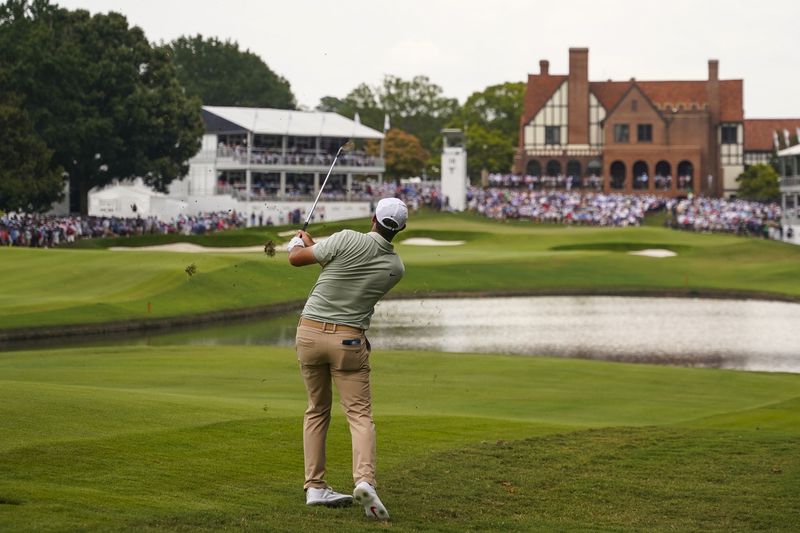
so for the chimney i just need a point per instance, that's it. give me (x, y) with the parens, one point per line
(714, 165)
(578, 96)
(713, 70)
(544, 67)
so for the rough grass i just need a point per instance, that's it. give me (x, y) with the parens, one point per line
(613, 479)
(208, 439)
(53, 287)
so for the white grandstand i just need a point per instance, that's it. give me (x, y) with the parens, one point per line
(269, 162)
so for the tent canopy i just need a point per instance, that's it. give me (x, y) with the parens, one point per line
(265, 121)
(122, 190)
(792, 150)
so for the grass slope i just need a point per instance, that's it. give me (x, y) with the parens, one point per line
(66, 286)
(188, 439)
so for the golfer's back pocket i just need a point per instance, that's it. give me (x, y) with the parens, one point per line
(349, 353)
(309, 345)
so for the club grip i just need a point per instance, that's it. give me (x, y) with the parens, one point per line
(305, 225)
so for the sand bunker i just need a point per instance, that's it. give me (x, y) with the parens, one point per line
(654, 252)
(424, 241)
(188, 248)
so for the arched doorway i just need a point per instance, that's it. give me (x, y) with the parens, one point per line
(573, 168)
(573, 173)
(641, 176)
(617, 175)
(685, 175)
(533, 168)
(663, 177)
(594, 171)
(553, 168)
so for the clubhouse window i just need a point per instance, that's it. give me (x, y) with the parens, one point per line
(621, 133)
(729, 134)
(644, 133)
(552, 134)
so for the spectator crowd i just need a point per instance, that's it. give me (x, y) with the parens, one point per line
(545, 182)
(294, 156)
(725, 216)
(701, 214)
(47, 231)
(502, 203)
(563, 207)
(414, 194)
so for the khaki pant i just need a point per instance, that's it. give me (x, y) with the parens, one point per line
(323, 358)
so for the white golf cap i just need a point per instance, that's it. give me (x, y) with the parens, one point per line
(391, 213)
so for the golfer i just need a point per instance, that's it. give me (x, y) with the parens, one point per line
(358, 269)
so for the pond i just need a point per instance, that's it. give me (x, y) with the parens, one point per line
(743, 335)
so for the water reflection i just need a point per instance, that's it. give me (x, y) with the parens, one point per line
(746, 335)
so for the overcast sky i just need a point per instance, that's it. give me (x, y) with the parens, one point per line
(329, 47)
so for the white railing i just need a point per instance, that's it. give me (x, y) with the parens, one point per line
(239, 191)
(793, 181)
(261, 156)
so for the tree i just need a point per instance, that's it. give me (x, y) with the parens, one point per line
(331, 104)
(219, 73)
(99, 95)
(28, 180)
(491, 120)
(415, 106)
(498, 108)
(759, 183)
(487, 149)
(403, 152)
(362, 100)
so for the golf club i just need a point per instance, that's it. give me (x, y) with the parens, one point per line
(348, 146)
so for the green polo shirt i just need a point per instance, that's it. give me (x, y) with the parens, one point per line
(358, 269)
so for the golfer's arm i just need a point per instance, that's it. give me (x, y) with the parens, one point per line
(300, 256)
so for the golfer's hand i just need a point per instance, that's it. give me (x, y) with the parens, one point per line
(302, 253)
(307, 240)
(294, 243)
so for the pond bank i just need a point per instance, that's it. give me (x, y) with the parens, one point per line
(67, 331)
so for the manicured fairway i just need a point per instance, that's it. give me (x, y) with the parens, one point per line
(206, 439)
(73, 286)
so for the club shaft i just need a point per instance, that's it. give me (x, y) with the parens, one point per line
(322, 188)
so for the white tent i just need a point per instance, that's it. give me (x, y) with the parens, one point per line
(293, 123)
(131, 200)
(792, 150)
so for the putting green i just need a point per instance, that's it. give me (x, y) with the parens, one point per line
(73, 286)
(205, 439)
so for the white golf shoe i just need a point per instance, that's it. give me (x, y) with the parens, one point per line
(327, 497)
(373, 507)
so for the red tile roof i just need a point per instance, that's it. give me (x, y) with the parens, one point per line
(608, 93)
(537, 92)
(676, 92)
(673, 93)
(758, 132)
